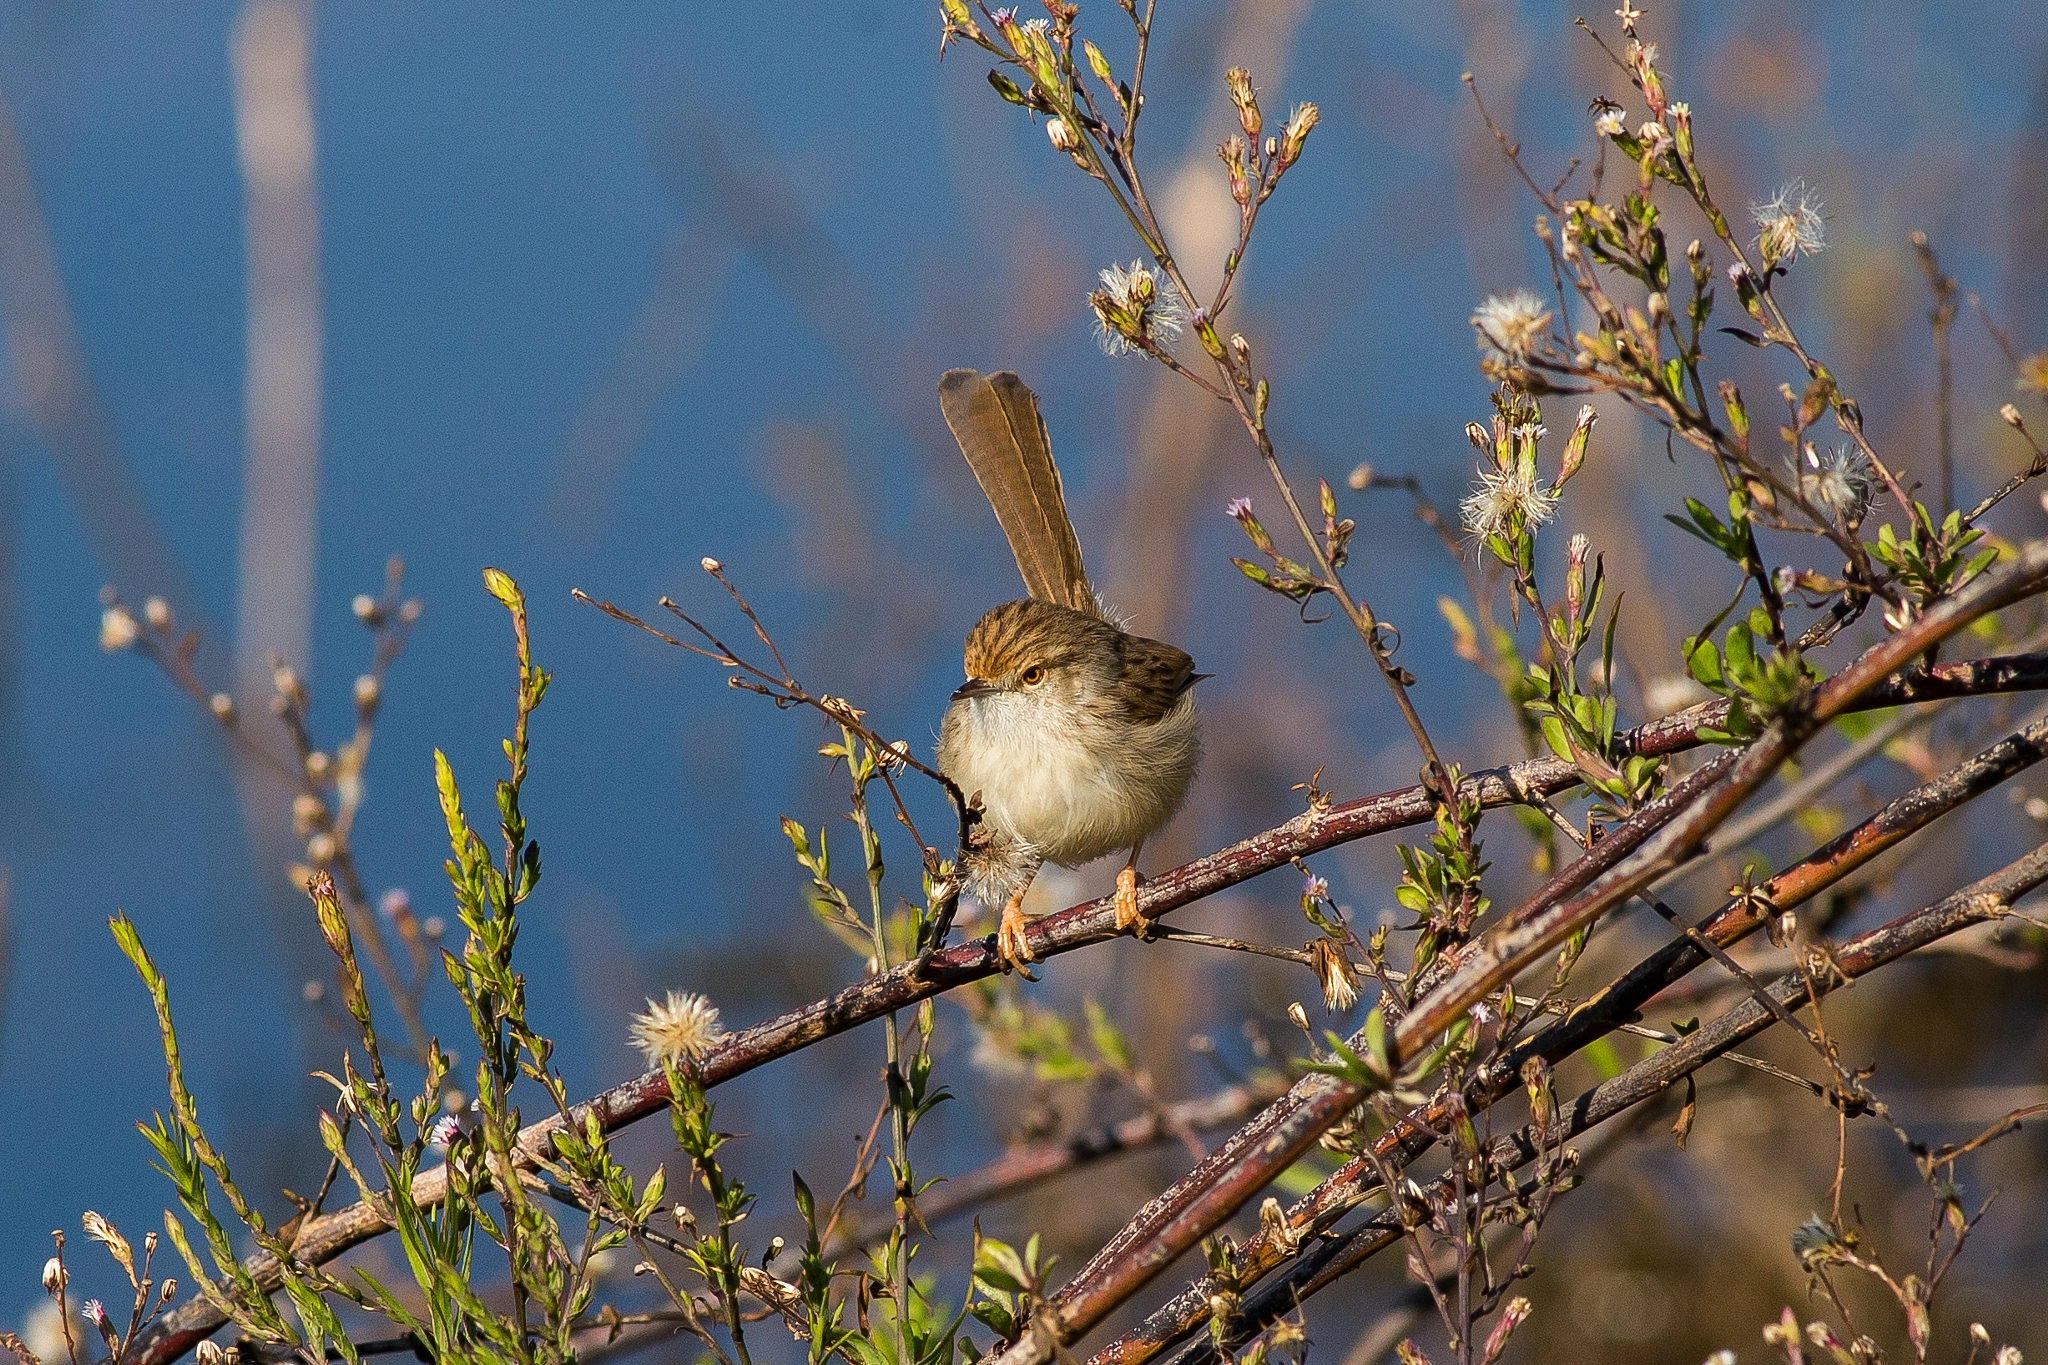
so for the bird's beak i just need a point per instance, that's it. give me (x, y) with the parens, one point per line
(974, 687)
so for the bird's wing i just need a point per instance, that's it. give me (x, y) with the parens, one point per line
(1155, 676)
(995, 419)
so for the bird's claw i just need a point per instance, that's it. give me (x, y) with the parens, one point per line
(1011, 943)
(1127, 916)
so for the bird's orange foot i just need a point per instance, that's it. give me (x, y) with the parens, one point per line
(1127, 916)
(1011, 943)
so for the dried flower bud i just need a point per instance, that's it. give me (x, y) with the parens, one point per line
(1299, 124)
(1334, 972)
(2011, 414)
(709, 565)
(1098, 63)
(1062, 136)
(1575, 446)
(1241, 351)
(1643, 58)
(320, 849)
(1236, 163)
(368, 692)
(309, 812)
(1273, 1226)
(1536, 1079)
(223, 707)
(366, 609)
(318, 765)
(208, 1353)
(1513, 1316)
(1247, 101)
(55, 1276)
(1784, 928)
(1815, 1244)
(117, 629)
(1360, 478)
(1299, 1015)
(157, 612)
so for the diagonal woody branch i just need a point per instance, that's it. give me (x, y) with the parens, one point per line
(321, 1239)
(1617, 1004)
(1650, 844)
(1988, 899)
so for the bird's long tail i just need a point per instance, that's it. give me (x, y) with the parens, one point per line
(995, 419)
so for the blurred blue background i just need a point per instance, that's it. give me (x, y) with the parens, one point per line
(606, 289)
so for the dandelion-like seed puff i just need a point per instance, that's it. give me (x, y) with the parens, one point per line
(681, 1028)
(1841, 480)
(1789, 225)
(1500, 496)
(1132, 312)
(1510, 326)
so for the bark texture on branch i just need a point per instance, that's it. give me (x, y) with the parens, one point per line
(1648, 845)
(1328, 1261)
(1593, 1018)
(327, 1236)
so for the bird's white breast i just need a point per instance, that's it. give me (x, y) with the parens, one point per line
(1073, 782)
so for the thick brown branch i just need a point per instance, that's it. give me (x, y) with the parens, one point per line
(1988, 899)
(1611, 1008)
(323, 1238)
(1651, 844)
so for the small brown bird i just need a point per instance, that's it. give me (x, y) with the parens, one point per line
(1080, 738)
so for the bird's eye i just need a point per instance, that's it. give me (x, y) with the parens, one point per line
(1033, 676)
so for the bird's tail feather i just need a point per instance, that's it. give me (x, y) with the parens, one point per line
(995, 419)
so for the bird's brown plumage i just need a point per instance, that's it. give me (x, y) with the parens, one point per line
(995, 419)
